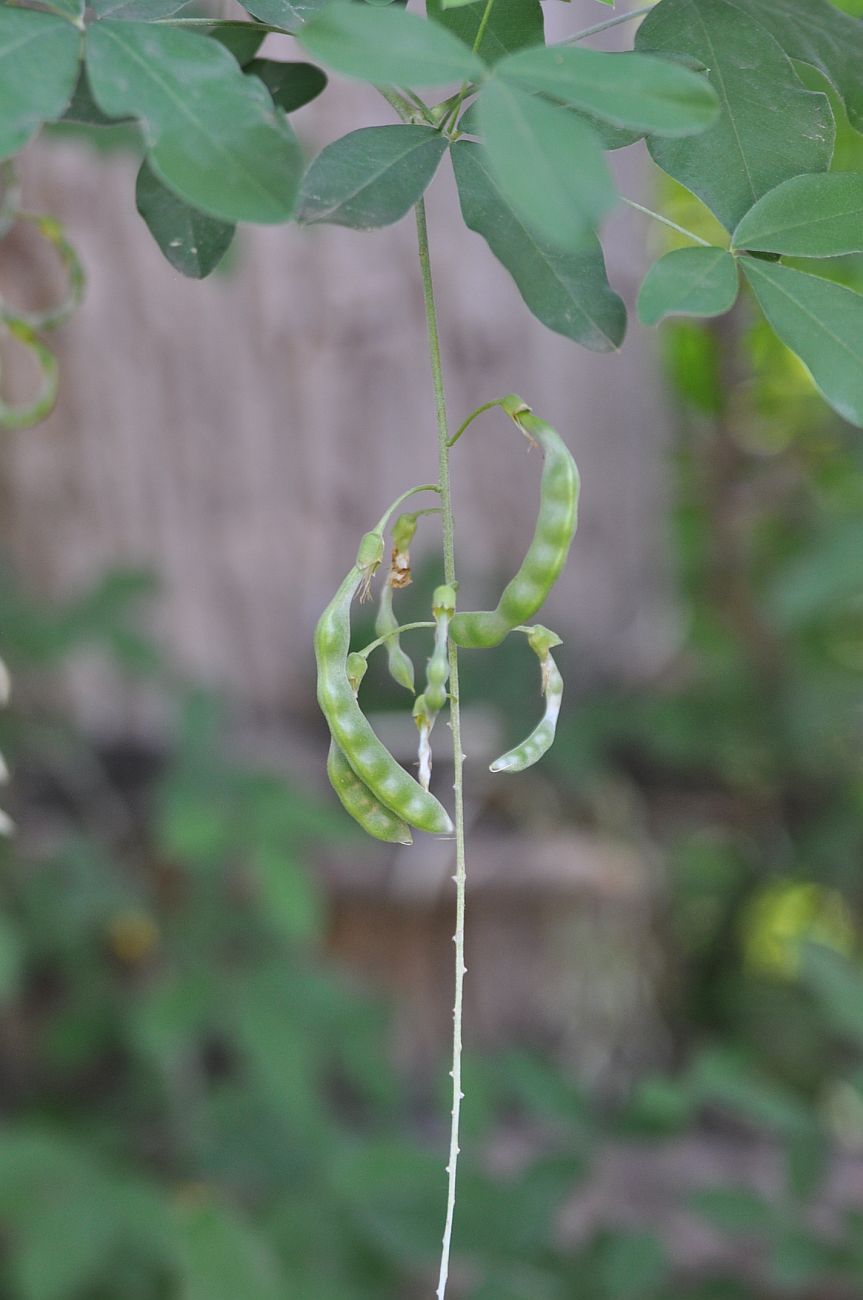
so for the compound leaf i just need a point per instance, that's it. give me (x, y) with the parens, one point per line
(689, 282)
(212, 134)
(387, 45)
(822, 322)
(638, 91)
(807, 216)
(39, 58)
(769, 129)
(371, 177)
(547, 162)
(567, 291)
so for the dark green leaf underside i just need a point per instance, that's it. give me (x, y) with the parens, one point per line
(192, 242)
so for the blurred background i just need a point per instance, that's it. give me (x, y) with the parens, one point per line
(224, 1016)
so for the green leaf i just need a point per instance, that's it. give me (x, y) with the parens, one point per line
(83, 108)
(371, 177)
(212, 134)
(71, 8)
(807, 216)
(819, 34)
(549, 165)
(513, 25)
(383, 45)
(770, 128)
(193, 242)
(241, 41)
(291, 85)
(822, 322)
(568, 292)
(733, 1210)
(146, 10)
(628, 90)
(287, 14)
(39, 55)
(610, 137)
(223, 1258)
(688, 282)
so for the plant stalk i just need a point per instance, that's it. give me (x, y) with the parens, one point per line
(455, 724)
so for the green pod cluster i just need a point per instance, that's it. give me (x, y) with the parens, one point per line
(540, 740)
(370, 760)
(555, 528)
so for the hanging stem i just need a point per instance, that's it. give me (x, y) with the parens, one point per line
(455, 724)
(666, 221)
(465, 86)
(609, 22)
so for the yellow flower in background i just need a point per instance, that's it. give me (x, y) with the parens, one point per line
(784, 916)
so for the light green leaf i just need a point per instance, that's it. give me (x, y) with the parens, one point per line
(287, 14)
(770, 128)
(549, 165)
(819, 34)
(458, 4)
(512, 25)
(193, 242)
(212, 133)
(387, 45)
(568, 292)
(291, 85)
(628, 90)
(72, 8)
(371, 177)
(807, 216)
(222, 1257)
(610, 137)
(822, 322)
(39, 55)
(688, 282)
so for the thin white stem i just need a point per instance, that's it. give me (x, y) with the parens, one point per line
(666, 221)
(607, 25)
(458, 756)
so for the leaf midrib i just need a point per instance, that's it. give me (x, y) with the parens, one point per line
(176, 99)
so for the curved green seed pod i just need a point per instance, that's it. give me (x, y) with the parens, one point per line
(541, 738)
(398, 661)
(400, 664)
(555, 528)
(357, 799)
(371, 761)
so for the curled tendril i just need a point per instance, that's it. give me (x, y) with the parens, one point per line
(25, 415)
(50, 317)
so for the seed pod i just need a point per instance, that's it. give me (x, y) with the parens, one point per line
(371, 761)
(428, 705)
(357, 799)
(540, 640)
(400, 665)
(555, 528)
